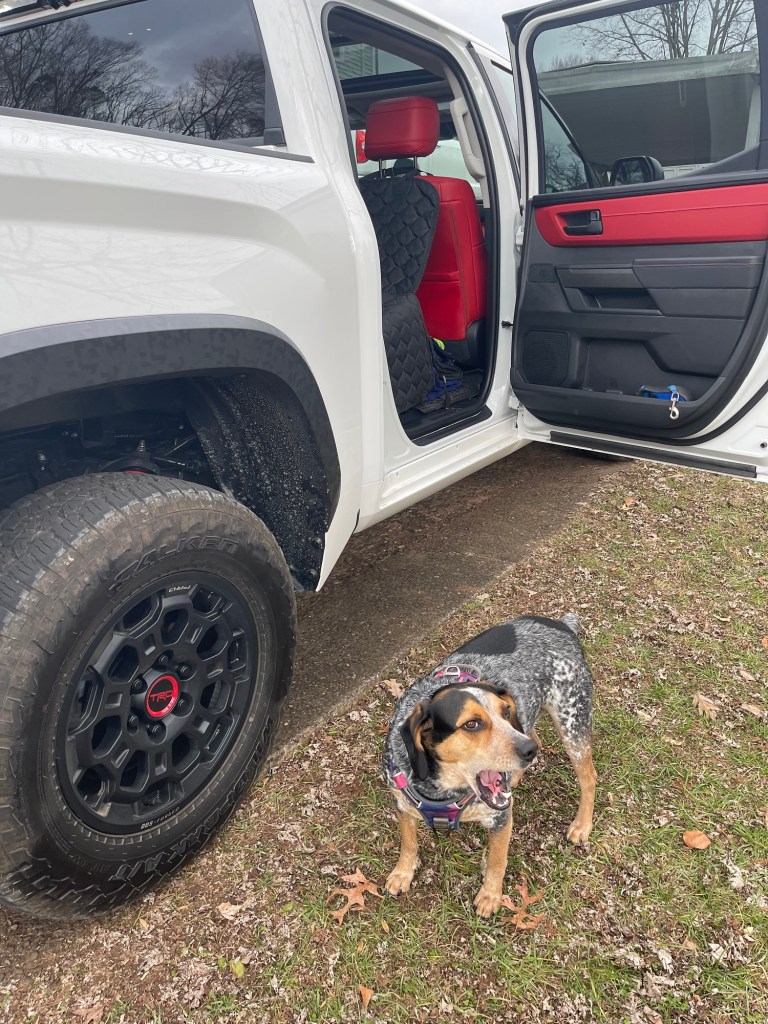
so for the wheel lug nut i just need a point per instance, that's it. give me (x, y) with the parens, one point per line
(133, 722)
(137, 686)
(164, 660)
(185, 671)
(155, 731)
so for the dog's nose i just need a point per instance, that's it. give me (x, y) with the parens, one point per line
(527, 751)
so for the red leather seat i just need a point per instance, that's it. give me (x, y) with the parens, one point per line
(452, 292)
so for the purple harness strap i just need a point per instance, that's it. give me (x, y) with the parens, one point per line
(457, 674)
(444, 816)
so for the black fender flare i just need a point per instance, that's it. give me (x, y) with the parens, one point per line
(215, 359)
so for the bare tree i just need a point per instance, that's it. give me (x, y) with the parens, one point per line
(225, 100)
(63, 68)
(562, 61)
(564, 170)
(669, 31)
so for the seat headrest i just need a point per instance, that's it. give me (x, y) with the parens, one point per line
(408, 126)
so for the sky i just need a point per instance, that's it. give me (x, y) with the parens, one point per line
(175, 34)
(480, 17)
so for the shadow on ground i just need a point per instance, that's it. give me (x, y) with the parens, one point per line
(396, 581)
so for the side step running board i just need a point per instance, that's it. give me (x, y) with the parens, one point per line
(631, 451)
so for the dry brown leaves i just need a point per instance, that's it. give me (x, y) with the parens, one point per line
(229, 911)
(753, 709)
(705, 705)
(366, 995)
(90, 1014)
(694, 839)
(520, 917)
(355, 895)
(392, 686)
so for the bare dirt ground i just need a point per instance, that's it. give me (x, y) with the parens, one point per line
(396, 580)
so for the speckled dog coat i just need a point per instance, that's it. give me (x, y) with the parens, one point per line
(539, 662)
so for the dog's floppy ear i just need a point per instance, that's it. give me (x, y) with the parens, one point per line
(412, 731)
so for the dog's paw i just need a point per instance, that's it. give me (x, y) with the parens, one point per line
(578, 833)
(487, 902)
(399, 881)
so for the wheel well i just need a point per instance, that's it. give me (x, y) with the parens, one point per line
(246, 434)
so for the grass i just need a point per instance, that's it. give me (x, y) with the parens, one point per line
(669, 572)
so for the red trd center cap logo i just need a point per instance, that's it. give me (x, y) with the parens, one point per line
(162, 696)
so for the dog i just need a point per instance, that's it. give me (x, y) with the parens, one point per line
(462, 737)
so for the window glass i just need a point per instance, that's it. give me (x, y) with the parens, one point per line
(564, 168)
(361, 60)
(677, 85)
(190, 67)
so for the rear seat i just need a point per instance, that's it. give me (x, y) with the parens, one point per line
(453, 290)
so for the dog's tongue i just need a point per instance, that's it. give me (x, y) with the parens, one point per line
(491, 781)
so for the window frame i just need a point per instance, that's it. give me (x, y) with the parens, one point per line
(485, 65)
(273, 128)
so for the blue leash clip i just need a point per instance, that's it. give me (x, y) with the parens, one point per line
(669, 393)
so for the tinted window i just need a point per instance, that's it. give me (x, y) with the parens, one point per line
(360, 60)
(563, 167)
(676, 83)
(190, 67)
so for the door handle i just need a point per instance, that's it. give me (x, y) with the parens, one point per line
(583, 222)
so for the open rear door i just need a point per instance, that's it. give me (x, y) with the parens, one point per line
(642, 318)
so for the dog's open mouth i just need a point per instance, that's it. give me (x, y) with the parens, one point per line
(493, 789)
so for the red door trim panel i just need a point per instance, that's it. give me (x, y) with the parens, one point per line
(737, 213)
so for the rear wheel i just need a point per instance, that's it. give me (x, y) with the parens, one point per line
(146, 643)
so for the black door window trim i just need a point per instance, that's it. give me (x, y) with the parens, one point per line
(610, 193)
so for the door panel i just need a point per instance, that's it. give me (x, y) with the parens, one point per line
(657, 284)
(594, 326)
(728, 214)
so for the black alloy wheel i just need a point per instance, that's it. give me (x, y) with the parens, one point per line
(159, 697)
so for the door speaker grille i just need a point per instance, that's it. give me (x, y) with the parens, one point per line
(545, 357)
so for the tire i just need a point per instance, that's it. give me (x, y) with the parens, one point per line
(147, 630)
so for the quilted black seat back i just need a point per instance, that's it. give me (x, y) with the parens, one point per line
(404, 213)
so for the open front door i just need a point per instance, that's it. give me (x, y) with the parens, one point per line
(642, 319)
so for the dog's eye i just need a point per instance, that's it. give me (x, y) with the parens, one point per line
(471, 725)
(507, 711)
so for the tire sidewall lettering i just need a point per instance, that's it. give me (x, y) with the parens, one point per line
(156, 555)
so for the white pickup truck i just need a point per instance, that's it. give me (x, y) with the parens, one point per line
(217, 354)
